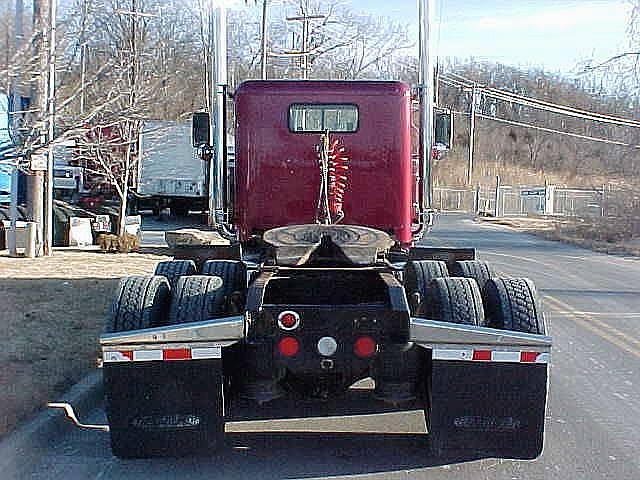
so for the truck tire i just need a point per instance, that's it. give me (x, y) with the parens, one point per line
(174, 269)
(141, 397)
(511, 304)
(234, 281)
(140, 302)
(476, 269)
(417, 275)
(197, 298)
(454, 300)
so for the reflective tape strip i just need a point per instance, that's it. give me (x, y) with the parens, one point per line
(117, 356)
(483, 355)
(169, 354)
(452, 354)
(499, 356)
(211, 352)
(176, 354)
(146, 355)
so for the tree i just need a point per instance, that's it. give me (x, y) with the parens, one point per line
(623, 69)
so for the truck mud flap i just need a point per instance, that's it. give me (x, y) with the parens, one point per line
(485, 409)
(172, 407)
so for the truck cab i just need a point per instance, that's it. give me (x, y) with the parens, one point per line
(278, 127)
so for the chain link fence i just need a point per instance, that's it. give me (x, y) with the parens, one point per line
(505, 200)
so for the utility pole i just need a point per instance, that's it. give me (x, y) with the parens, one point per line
(83, 57)
(263, 63)
(51, 111)
(472, 130)
(305, 41)
(35, 181)
(306, 19)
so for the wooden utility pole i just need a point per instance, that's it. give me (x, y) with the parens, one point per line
(305, 41)
(35, 181)
(472, 131)
(51, 111)
(306, 19)
(83, 57)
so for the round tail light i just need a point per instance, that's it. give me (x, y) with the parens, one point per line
(365, 347)
(289, 346)
(288, 320)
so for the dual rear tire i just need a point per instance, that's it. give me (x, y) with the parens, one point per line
(473, 295)
(169, 408)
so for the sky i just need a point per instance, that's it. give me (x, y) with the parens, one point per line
(553, 34)
(556, 35)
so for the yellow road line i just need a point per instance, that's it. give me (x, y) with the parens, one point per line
(602, 323)
(600, 328)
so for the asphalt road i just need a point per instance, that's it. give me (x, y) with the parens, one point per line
(592, 304)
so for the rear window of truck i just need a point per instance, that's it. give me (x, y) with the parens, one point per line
(315, 118)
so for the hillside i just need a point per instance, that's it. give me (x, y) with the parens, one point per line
(530, 156)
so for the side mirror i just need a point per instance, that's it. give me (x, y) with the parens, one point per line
(200, 129)
(444, 128)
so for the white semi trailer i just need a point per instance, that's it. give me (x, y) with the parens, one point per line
(170, 175)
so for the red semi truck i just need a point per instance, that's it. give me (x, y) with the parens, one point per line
(323, 285)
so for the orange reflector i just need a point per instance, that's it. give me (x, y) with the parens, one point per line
(289, 346)
(365, 347)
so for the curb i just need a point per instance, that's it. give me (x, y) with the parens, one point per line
(49, 424)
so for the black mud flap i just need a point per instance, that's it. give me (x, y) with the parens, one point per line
(481, 410)
(164, 408)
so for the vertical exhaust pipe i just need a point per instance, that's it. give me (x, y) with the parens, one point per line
(426, 13)
(218, 170)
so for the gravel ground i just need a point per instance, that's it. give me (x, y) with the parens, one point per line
(51, 312)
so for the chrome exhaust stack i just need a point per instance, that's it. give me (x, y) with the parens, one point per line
(426, 13)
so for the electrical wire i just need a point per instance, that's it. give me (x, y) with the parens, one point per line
(551, 130)
(539, 104)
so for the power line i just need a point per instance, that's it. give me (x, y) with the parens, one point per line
(539, 104)
(550, 130)
(561, 110)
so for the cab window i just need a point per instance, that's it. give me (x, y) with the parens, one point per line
(306, 118)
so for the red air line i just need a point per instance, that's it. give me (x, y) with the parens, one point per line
(338, 178)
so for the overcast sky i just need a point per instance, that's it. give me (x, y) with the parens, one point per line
(554, 34)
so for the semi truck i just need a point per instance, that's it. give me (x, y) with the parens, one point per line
(325, 297)
(322, 285)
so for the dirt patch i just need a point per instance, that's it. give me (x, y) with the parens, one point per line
(52, 313)
(597, 236)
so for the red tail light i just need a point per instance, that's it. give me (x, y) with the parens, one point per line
(288, 320)
(289, 346)
(365, 347)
